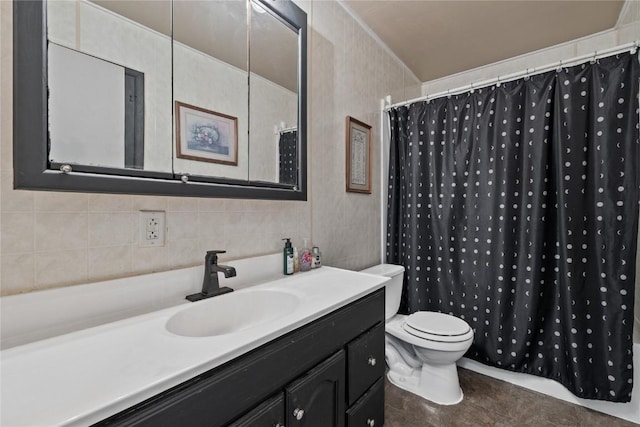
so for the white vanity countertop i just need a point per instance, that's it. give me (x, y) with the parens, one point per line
(83, 377)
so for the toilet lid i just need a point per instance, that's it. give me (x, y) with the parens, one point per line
(432, 325)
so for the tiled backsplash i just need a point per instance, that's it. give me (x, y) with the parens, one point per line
(51, 239)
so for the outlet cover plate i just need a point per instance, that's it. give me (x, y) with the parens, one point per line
(152, 228)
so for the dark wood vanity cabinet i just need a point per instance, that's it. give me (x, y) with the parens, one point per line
(326, 373)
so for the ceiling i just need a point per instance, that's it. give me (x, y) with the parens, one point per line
(439, 38)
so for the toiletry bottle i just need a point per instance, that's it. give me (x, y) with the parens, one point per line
(287, 252)
(317, 261)
(296, 260)
(306, 258)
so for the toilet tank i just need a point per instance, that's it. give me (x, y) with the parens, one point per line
(393, 288)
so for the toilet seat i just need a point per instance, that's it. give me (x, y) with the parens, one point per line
(437, 327)
(395, 327)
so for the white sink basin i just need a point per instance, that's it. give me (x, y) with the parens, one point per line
(232, 312)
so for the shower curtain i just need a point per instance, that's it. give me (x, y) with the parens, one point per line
(515, 208)
(288, 149)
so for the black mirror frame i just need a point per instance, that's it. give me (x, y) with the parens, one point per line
(30, 125)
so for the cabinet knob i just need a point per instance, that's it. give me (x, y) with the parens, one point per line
(372, 361)
(371, 422)
(298, 413)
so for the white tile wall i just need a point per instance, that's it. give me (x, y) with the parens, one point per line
(51, 239)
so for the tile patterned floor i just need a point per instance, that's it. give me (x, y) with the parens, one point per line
(490, 402)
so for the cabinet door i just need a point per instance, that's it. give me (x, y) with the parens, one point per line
(368, 411)
(268, 414)
(317, 398)
(365, 356)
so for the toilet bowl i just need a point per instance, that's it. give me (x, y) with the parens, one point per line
(421, 349)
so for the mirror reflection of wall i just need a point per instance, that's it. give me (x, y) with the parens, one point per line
(273, 88)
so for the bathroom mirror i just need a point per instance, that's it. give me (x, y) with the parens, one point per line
(273, 89)
(154, 97)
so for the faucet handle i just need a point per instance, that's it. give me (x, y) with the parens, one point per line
(212, 256)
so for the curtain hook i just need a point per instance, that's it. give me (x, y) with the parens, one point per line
(526, 74)
(498, 82)
(593, 60)
(448, 93)
(559, 69)
(472, 89)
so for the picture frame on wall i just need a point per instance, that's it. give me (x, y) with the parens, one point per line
(205, 135)
(358, 144)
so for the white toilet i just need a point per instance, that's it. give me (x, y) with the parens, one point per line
(422, 349)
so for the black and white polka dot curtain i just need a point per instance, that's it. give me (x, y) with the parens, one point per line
(515, 207)
(288, 148)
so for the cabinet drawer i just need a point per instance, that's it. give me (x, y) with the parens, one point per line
(365, 362)
(270, 413)
(369, 410)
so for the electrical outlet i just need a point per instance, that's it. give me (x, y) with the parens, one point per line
(152, 228)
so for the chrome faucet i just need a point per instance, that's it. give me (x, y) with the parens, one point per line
(210, 285)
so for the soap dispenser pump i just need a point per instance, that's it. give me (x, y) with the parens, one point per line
(287, 261)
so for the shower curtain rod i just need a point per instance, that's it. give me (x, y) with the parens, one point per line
(633, 46)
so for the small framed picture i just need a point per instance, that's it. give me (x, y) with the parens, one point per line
(205, 135)
(358, 156)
